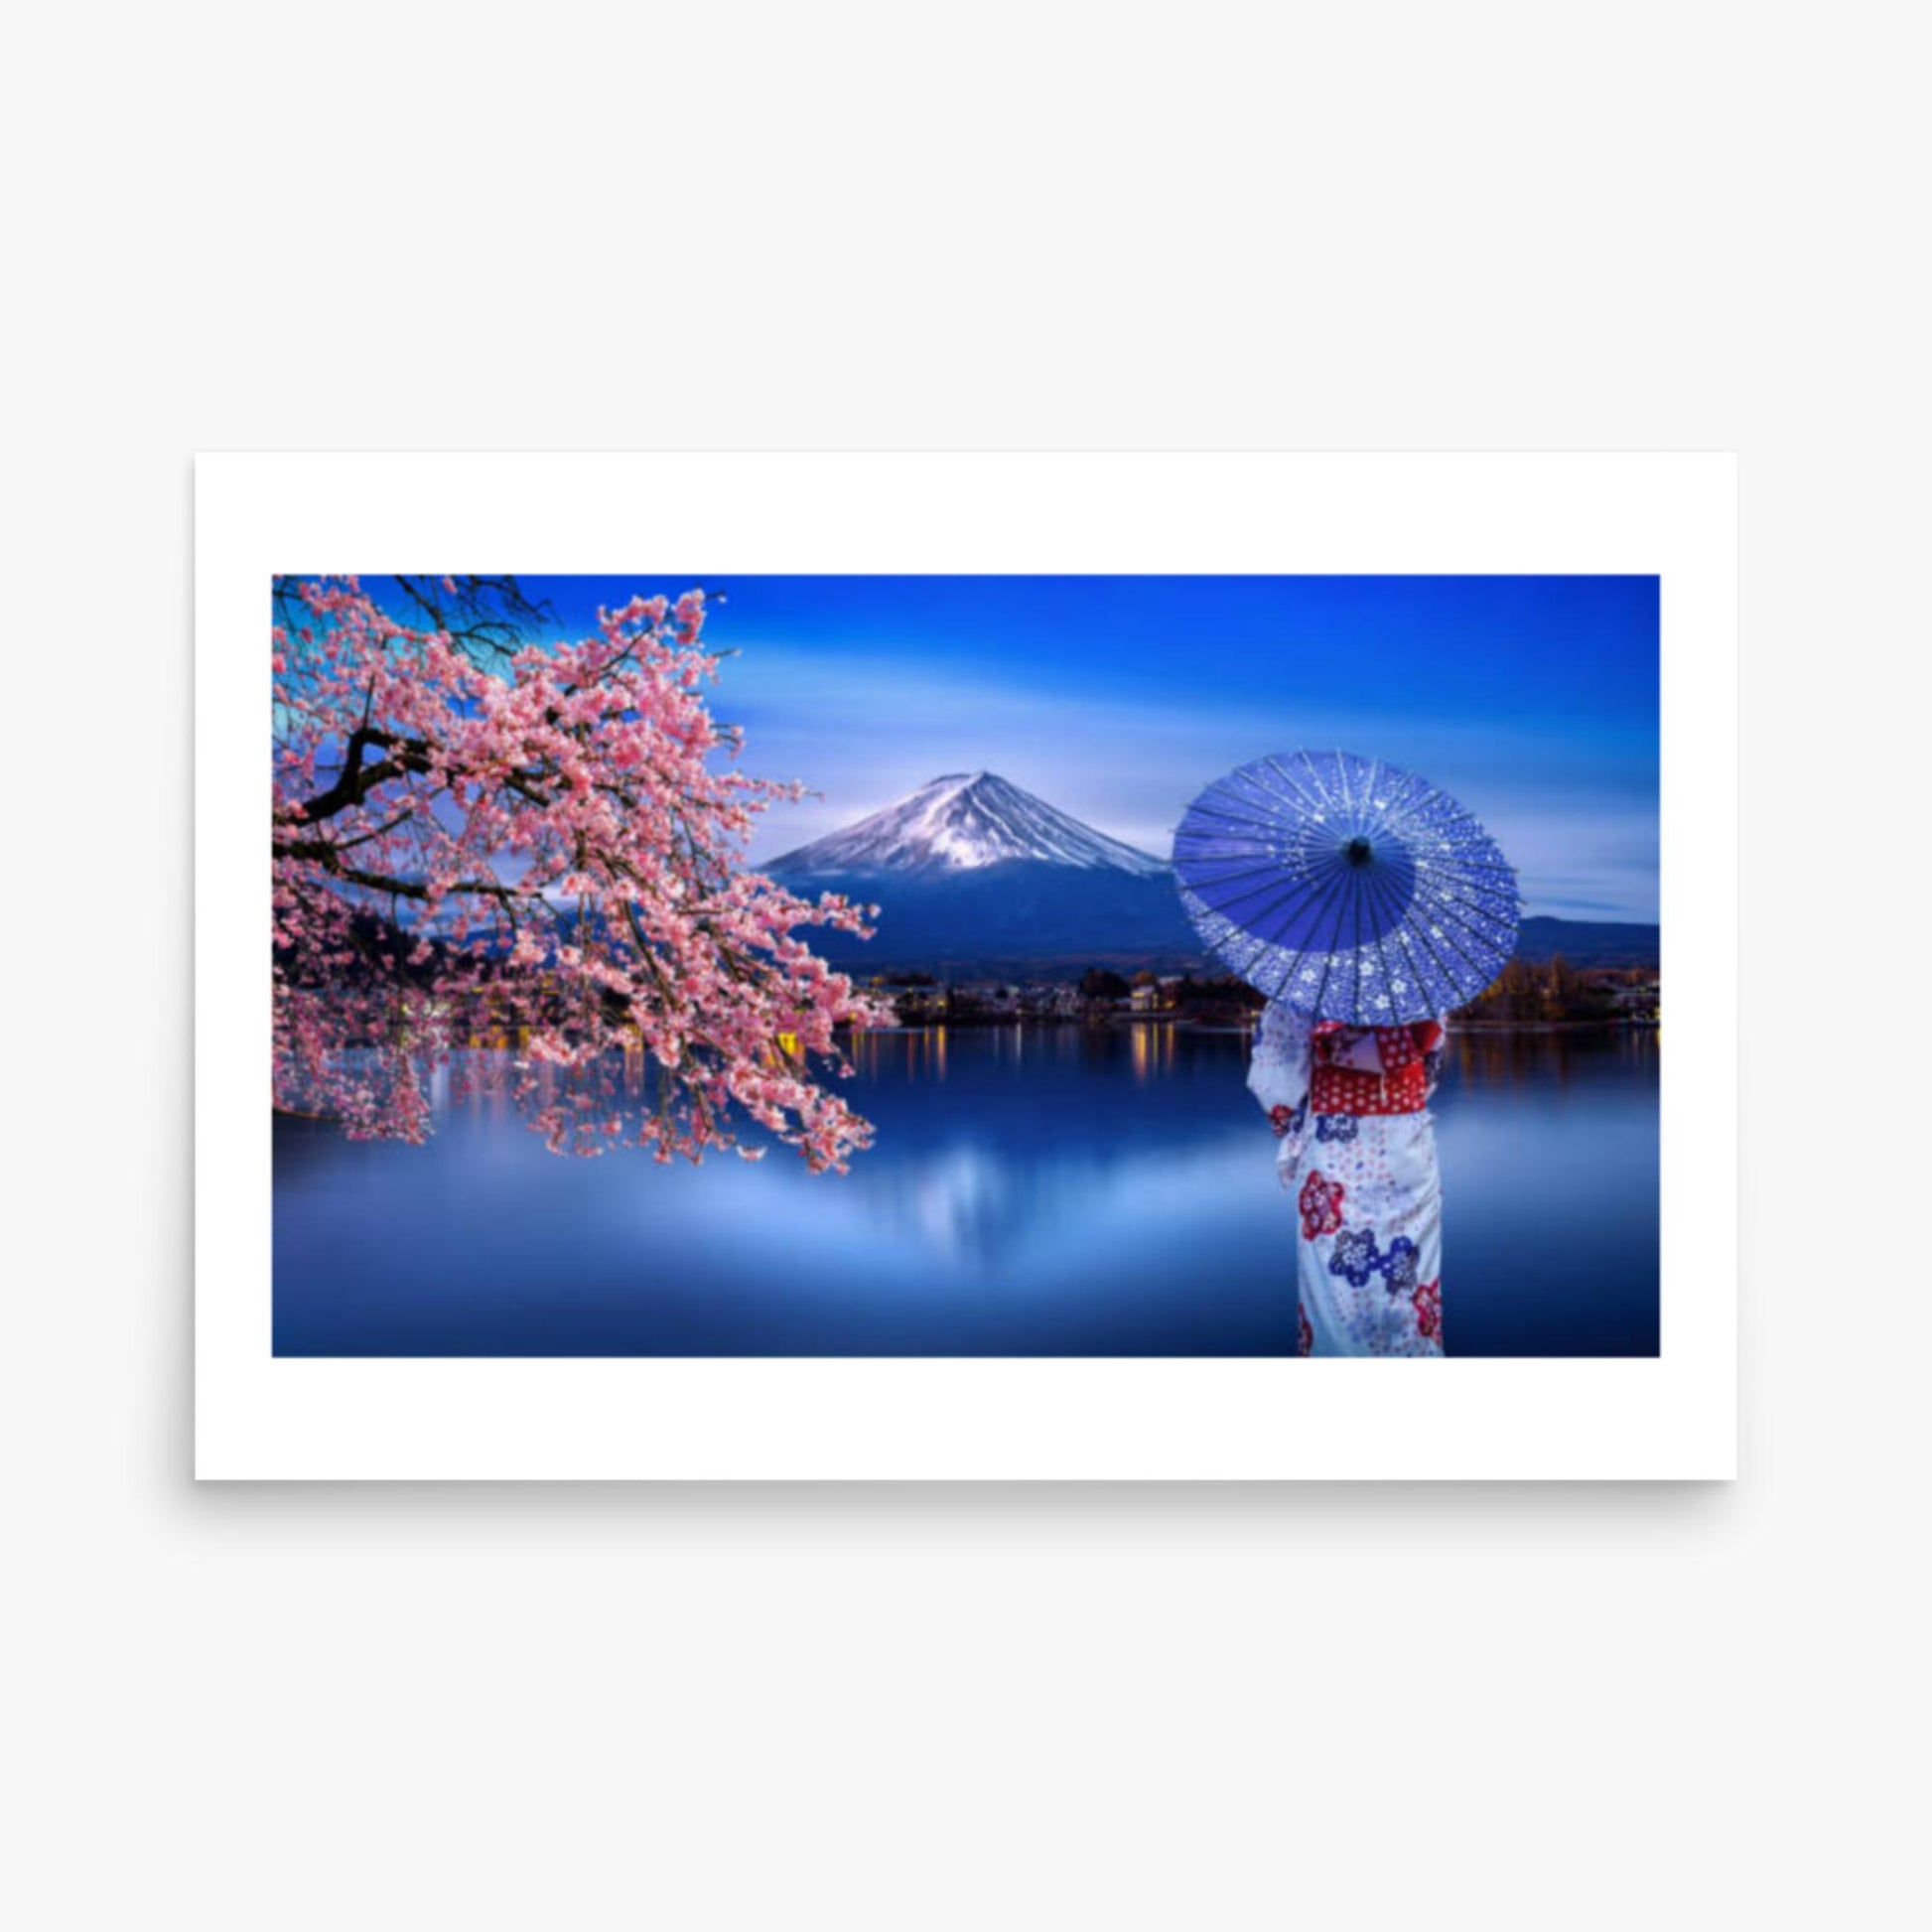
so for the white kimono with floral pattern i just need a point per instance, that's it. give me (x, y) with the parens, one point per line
(1367, 1193)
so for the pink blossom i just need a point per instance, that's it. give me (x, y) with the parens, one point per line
(539, 857)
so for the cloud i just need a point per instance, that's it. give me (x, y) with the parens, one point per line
(1576, 815)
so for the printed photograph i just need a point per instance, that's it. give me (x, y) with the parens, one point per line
(965, 966)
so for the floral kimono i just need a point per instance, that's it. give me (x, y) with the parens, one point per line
(1350, 1108)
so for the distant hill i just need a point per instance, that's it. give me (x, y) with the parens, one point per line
(1587, 943)
(977, 878)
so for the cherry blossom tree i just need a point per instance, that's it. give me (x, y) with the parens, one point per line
(540, 847)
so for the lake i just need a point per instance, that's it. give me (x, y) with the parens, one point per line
(1061, 1191)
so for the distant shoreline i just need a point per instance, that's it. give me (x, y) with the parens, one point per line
(982, 1021)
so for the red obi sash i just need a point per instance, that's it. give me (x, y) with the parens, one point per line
(1401, 1087)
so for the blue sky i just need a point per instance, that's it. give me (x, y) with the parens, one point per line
(1533, 699)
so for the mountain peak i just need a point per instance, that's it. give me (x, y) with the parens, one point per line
(963, 821)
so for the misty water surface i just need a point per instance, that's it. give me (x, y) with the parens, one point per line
(1047, 1191)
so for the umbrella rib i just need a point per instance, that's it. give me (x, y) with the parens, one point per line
(1473, 964)
(1246, 871)
(1464, 904)
(1257, 917)
(1291, 793)
(1303, 952)
(1398, 932)
(1305, 795)
(1293, 884)
(1452, 909)
(1239, 812)
(1301, 789)
(1360, 890)
(1246, 817)
(1484, 865)
(1379, 891)
(1422, 938)
(1383, 958)
(1473, 967)
(1413, 936)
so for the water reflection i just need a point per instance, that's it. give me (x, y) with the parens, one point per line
(1556, 1058)
(1039, 1190)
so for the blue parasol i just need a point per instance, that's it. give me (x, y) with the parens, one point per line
(1350, 890)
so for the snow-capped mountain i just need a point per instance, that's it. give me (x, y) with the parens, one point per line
(971, 874)
(970, 871)
(963, 822)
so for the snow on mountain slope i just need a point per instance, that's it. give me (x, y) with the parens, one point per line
(963, 822)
